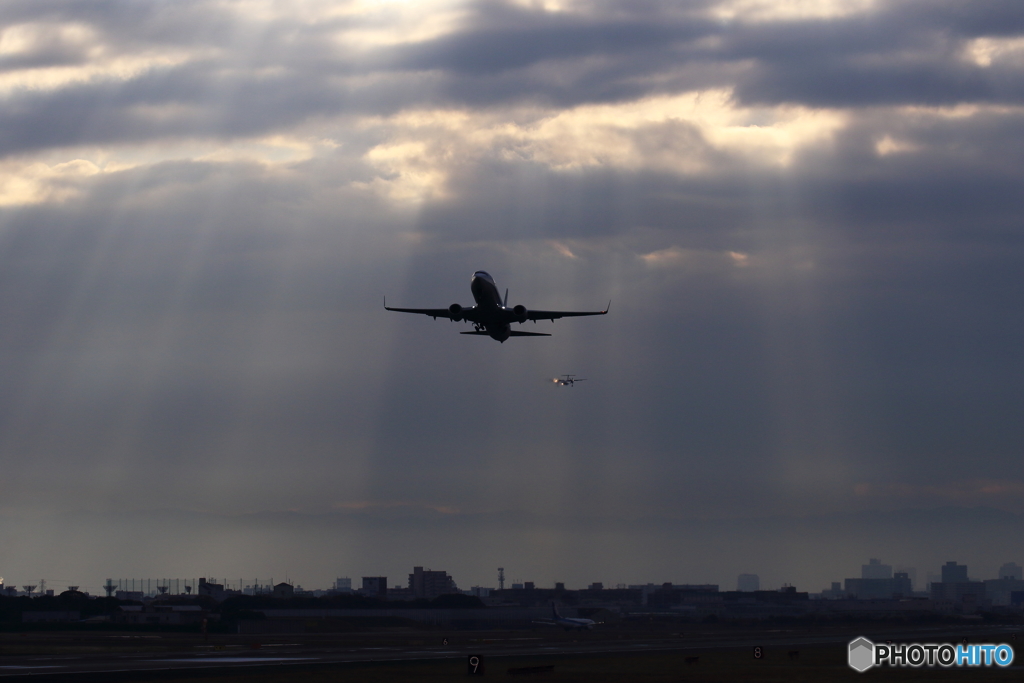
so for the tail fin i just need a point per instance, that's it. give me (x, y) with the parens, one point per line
(554, 611)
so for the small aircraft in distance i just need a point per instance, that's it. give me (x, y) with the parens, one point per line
(491, 316)
(568, 622)
(568, 380)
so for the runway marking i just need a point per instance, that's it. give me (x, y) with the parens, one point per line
(33, 666)
(233, 660)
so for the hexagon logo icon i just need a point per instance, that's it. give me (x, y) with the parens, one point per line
(862, 654)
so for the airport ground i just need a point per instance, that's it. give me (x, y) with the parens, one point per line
(792, 653)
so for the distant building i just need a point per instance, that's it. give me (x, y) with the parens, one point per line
(284, 591)
(343, 585)
(213, 590)
(910, 572)
(596, 586)
(430, 584)
(836, 592)
(954, 573)
(670, 595)
(879, 589)
(1012, 571)
(1000, 591)
(874, 569)
(748, 583)
(398, 593)
(966, 596)
(375, 587)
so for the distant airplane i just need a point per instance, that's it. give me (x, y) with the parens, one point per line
(491, 316)
(568, 622)
(568, 380)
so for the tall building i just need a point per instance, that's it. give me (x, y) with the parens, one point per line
(954, 573)
(375, 586)
(874, 569)
(1011, 570)
(343, 585)
(748, 583)
(911, 573)
(430, 584)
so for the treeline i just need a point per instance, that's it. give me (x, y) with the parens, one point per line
(238, 606)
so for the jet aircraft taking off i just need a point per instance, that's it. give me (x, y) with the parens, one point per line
(491, 316)
(568, 380)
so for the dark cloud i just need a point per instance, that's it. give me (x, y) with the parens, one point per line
(904, 53)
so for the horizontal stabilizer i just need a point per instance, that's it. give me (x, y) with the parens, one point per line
(486, 334)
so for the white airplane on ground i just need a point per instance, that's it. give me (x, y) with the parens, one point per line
(568, 622)
(491, 316)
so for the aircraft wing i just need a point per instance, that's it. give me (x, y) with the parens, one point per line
(465, 314)
(552, 315)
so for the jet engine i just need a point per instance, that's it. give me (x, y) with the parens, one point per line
(455, 311)
(520, 313)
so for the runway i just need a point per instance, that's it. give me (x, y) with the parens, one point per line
(121, 657)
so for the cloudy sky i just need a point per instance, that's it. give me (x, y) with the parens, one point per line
(806, 215)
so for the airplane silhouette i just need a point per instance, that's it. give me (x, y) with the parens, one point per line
(491, 316)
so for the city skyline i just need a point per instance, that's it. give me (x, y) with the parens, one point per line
(910, 541)
(428, 584)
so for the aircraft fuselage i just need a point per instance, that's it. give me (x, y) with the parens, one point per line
(492, 316)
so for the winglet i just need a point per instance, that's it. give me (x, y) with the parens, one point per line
(505, 305)
(609, 306)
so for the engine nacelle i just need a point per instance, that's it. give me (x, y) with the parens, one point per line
(455, 311)
(520, 313)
